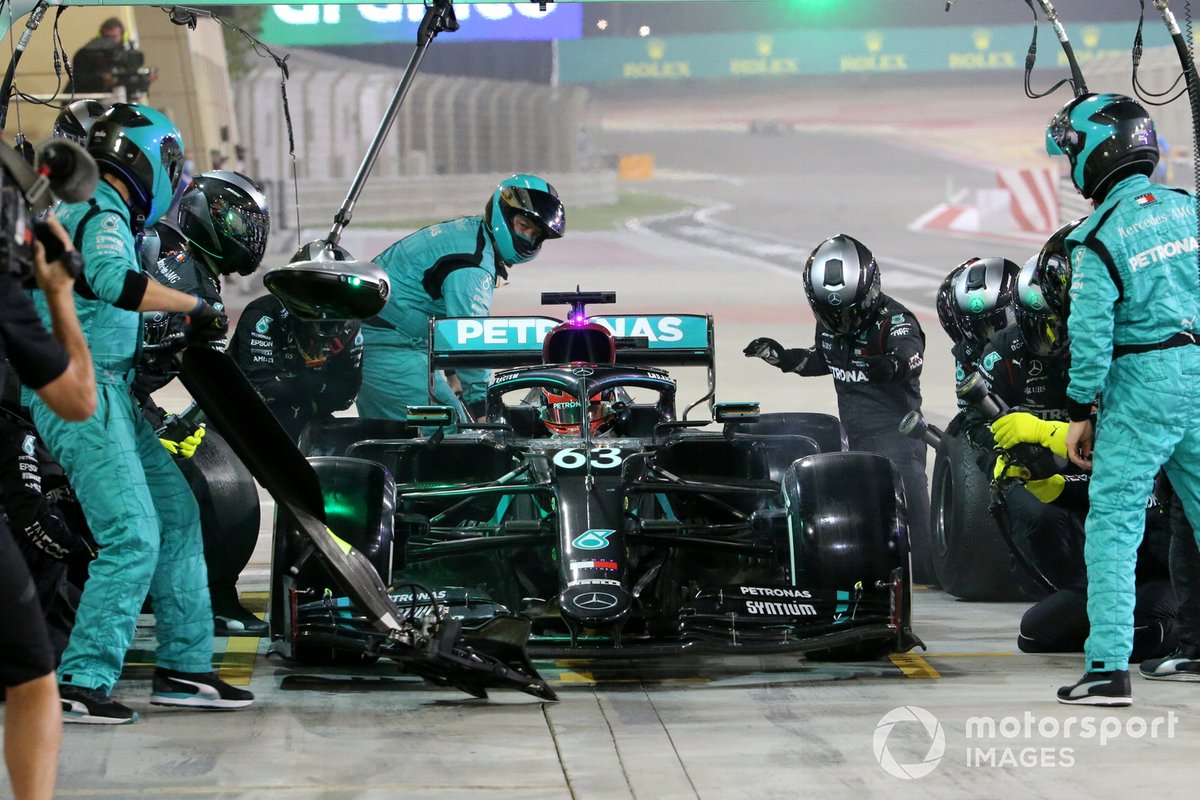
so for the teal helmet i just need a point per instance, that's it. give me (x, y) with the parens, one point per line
(1105, 137)
(536, 200)
(144, 149)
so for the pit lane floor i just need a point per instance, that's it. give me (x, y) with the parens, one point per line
(688, 727)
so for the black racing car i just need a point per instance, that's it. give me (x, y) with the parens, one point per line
(612, 525)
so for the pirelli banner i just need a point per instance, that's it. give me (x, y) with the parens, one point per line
(838, 52)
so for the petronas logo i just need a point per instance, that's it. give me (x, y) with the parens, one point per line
(263, 325)
(595, 539)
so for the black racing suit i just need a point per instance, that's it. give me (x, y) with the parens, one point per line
(1052, 534)
(48, 524)
(25, 649)
(871, 405)
(301, 377)
(163, 330)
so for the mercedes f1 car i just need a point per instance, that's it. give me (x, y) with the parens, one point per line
(583, 504)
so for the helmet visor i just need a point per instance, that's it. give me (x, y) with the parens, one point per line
(239, 219)
(543, 208)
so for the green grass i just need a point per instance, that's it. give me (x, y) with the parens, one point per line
(631, 205)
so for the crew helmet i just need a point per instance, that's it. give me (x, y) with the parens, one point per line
(841, 280)
(1105, 137)
(1043, 295)
(224, 216)
(76, 120)
(947, 311)
(984, 292)
(142, 147)
(537, 201)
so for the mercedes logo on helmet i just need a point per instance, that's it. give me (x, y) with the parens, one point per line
(834, 299)
(595, 601)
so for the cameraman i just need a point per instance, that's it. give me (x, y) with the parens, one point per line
(59, 370)
(108, 62)
(94, 64)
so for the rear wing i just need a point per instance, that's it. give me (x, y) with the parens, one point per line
(651, 340)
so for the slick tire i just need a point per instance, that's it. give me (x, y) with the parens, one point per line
(970, 557)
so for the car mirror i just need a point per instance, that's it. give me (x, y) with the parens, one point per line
(735, 412)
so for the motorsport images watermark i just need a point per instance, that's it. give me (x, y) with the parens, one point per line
(1025, 741)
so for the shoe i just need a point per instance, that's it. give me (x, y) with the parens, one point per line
(1098, 689)
(93, 707)
(239, 625)
(1182, 665)
(201, 690)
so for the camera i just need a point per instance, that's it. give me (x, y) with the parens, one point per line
(1040, 462)
(129, 70)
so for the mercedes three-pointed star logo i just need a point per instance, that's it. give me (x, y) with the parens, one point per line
(595, 601)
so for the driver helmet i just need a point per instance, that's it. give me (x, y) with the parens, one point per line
(562, 415)
(1043, 295)
(1105, 137)
(579, 341)
(530, 197)
(841, 280)
(224, 216)
(76, 120)
(144, 149)
(984, 292)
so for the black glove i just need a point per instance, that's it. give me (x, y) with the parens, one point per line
(768, 350)
(204, 324)
(880, 368)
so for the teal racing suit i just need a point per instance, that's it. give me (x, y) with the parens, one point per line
(1135, 303)
(445, 270)
(140, 509)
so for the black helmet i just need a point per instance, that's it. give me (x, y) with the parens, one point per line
(75, 121)
(1043, 295)
(224, 216)
(983, 295)
(946, 310)
(841, 280)
(1105, 137)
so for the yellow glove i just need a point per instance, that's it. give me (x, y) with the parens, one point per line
(185, 447)
(1021, 426)
(1003, 469)
(1047, 490)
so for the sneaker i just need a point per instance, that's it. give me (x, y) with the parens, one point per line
(93, 707)
(1182, 665)
(1098, 689)
(201, 690)
(240, 625)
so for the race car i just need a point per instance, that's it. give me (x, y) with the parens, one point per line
(613, 525)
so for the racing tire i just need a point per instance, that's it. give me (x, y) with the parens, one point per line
(970, 556)
(229, 506)
(845, 510)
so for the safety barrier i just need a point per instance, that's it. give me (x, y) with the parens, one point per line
(451, 136)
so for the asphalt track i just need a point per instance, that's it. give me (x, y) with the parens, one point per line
(705, 728)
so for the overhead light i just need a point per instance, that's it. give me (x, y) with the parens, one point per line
(644, 30)
(602, 24)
